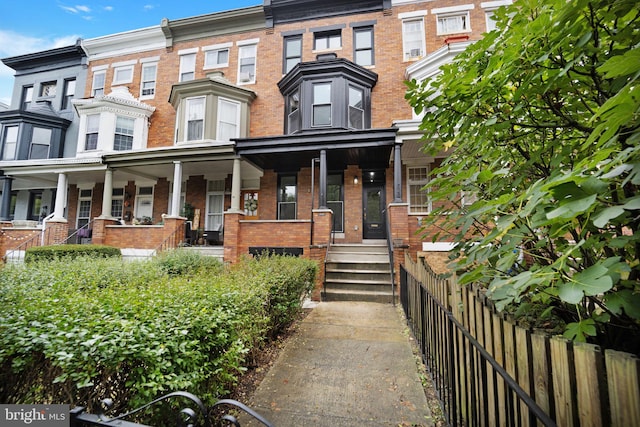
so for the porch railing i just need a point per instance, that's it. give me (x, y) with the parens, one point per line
(17, 254)
(391, 258)
(474, 389)
(175, 239)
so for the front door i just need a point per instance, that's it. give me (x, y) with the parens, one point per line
(373, 202)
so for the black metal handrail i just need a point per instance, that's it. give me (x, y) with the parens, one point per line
(35, 240)
(186, 416)
(463, 371)
(391, 258)
(78, 233)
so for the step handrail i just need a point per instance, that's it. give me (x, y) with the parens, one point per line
(391, 260)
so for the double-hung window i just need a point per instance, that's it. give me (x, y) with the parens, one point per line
(321, 105)
(69, 92)
(97, 88)
(84, 208)
(453, 23)
(413, 37)
(91, 134)
(27, 97)
(216, 56)
(117, 202)
(10, 142)
(228, 119)
(293, 112)
(123, 138)
(363, 45)
(292, 52)
(417, 178)
(187, 66)
(287, 196)
(247, 63)
(40, 143)
(194, 118)
(148, 80)
(335, 201)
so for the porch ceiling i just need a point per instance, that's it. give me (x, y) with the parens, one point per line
(368, 149)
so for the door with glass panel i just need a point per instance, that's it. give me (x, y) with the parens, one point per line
(373, 205)
(215, 206)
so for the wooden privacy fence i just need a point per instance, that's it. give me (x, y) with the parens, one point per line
(473, 353)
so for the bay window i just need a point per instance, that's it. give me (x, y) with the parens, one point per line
(195, 118)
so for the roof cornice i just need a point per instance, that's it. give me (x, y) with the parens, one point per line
(45, 57)
(213, 24)
(135, 41)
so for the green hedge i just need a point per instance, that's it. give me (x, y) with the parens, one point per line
(48, 253)
(77, 331)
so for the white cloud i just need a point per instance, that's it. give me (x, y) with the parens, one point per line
(83, 8)
(148, 7)
(108, 8)
(69, 9)
(14, 44)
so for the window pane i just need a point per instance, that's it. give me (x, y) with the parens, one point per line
(363, 39)
(322, 115)
(48, 89)
(322, 93)
(10, 142)
(123, 139)
(40, 141)
(149, 80)
(364, 57)
(98, 84)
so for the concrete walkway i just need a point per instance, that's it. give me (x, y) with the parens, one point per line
(349, 364)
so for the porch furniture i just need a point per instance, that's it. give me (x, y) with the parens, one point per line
(213, 236)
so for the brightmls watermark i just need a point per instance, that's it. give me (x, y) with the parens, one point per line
(34, 415)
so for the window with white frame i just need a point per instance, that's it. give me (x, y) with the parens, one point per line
(187, 67)
(194, 118)
(10, 142)
(451, 23)
(84, 208)
(216, 56)
(148, 80)
(91, 134)
(413, 38)
(117, 202)
(123, 138)
(122, 74)
(417, 178)
(40, 143)
(97, 88)
(228, 119)
(215, 204)
(247, 63)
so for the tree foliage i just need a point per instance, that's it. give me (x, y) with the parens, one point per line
(540, 120)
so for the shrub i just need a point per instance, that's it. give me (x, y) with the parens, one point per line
(48, 253)
(180, 261)
(77, 331)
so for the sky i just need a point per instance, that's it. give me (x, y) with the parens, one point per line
(28, 26)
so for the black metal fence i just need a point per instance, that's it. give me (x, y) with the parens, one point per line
(473, 388)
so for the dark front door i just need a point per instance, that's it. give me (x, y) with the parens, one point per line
(373, 200)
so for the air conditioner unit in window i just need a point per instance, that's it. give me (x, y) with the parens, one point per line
(415, 53)
(245, 77)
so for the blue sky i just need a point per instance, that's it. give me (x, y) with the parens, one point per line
(28, 26)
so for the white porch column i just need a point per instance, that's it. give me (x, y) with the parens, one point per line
(236, 185)
(61, 197)
(177, 189)
(107, 194)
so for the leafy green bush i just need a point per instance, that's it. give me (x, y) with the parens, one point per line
(179, 261)
(80, 330)
(47, 253)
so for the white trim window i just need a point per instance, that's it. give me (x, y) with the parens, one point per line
(228, 119)
(247, 59)
(117, 202)
(194, 118)
(148, 80)
(453, 23)
(215, 205)
(216, 56)
(122, 73)
(187, 67)
(413, 38)
(123, 138)
(84, 207)
(97, 87)
(417, 178)
(91, 134)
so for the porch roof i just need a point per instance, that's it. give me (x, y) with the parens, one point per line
(370, 148)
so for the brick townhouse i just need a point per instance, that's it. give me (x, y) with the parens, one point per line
(281, 126)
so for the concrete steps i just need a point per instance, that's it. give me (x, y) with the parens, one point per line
(358, 272)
